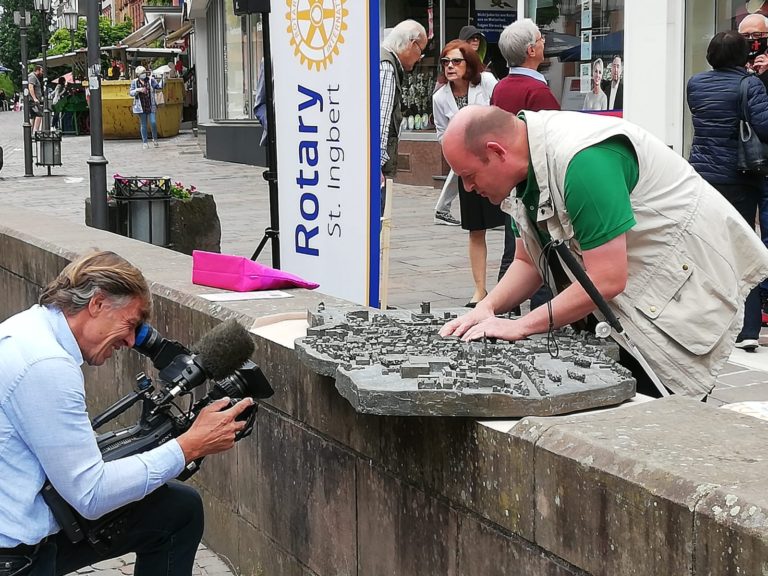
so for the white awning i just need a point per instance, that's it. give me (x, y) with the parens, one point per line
(145, 35)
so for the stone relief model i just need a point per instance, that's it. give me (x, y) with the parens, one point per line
(395, 363)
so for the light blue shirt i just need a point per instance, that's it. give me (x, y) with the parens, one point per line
(523, 71)
(45, 431)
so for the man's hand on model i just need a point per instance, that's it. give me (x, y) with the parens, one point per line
(214, 429)
(459, 326)
(494, 327)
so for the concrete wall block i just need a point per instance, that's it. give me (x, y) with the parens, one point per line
(609, 480)
(34, 260)
(484, 550)
(260, 556)
(731, 531)
(472, 465)
(18, 294)
(222, 528)
(599, 522)
(305, 496)
(313, 400)
(403, 531)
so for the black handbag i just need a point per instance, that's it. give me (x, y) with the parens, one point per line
(752, 153)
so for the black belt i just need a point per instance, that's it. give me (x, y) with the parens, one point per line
(20, 550)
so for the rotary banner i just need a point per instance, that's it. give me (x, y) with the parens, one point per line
(325, 62)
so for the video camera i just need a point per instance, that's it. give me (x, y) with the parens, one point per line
(220, 356)
(757, 46)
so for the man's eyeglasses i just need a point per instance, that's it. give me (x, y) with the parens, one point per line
(454, 61)
(755, 35)
(421, 50)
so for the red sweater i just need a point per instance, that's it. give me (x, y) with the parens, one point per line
(518, 92)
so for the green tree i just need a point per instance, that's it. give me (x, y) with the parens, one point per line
(109, 35)
(10, 42)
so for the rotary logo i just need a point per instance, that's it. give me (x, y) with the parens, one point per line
(316, 28)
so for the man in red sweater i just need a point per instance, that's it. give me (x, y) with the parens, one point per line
(522, 46)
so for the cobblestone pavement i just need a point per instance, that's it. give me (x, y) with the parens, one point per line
(428, 262)
(207, 563)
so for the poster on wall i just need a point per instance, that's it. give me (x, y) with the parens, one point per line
(586, 15)
(325, 117)
(586, 44)
(492, 16)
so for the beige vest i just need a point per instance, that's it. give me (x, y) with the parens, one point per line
(692, 259)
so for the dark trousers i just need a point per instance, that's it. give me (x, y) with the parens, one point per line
(543, 294)
(164, 530)
(745, 199)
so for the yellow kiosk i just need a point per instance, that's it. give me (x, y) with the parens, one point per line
(120, 122)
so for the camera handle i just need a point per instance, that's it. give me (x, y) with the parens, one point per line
(143, 390)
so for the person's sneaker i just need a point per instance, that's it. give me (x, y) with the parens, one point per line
(145, 146)
(446, 218)
(748, 344)
(155, 144)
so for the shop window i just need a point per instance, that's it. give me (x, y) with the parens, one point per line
(584, 52)
(242, 60)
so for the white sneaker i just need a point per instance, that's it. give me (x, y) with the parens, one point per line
(748, 344)
(155, 144)
(145, 146)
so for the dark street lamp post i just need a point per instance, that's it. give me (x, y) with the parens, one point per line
(21, 19)
(70, 23)
(97, 163)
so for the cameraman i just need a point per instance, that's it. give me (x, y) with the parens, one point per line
(90, 310)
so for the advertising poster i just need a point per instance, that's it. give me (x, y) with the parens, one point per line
(327, 143)
(586, 44)
(586, 15)
(492, 16)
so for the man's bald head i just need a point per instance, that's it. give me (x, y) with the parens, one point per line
(488, 148)
(473, 126)
(753, 23)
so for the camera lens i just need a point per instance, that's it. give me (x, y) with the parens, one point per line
(246, 381)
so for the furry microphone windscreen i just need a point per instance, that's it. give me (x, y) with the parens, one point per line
(224, 349)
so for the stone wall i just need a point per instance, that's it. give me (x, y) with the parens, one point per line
(672, 487)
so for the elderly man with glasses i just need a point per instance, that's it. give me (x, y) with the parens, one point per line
(401, 50)
(755, 29)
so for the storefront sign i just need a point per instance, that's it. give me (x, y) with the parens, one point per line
(326, 111)
(493, 16)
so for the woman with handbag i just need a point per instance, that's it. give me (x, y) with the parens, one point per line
(143, 89)
(721, 100)
(464, 82)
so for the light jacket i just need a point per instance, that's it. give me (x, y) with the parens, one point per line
(691, 257)
(153, 85)
(444, 104)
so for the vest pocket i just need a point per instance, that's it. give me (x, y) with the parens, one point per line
(684, 302)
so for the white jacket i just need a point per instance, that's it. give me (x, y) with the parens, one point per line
(691, 257)
(444, 104)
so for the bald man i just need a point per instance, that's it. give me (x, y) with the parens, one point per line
(755, 29)
(670, 254)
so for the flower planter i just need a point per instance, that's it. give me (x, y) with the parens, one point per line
(194, 223)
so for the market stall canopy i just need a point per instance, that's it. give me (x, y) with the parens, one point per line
(145, 35)
(180, 33)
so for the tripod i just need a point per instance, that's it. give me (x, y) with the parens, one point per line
(270, 175)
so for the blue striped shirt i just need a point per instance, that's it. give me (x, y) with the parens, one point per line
(45, 431)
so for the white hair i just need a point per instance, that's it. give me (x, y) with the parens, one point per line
(515, 40)
(401, 36)
(763, 21)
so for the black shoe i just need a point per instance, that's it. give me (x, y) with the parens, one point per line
(748, 344)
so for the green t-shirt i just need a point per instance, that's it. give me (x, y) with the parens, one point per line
(598, 183)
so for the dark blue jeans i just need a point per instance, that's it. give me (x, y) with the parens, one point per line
(164, 530)
(745, 199)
